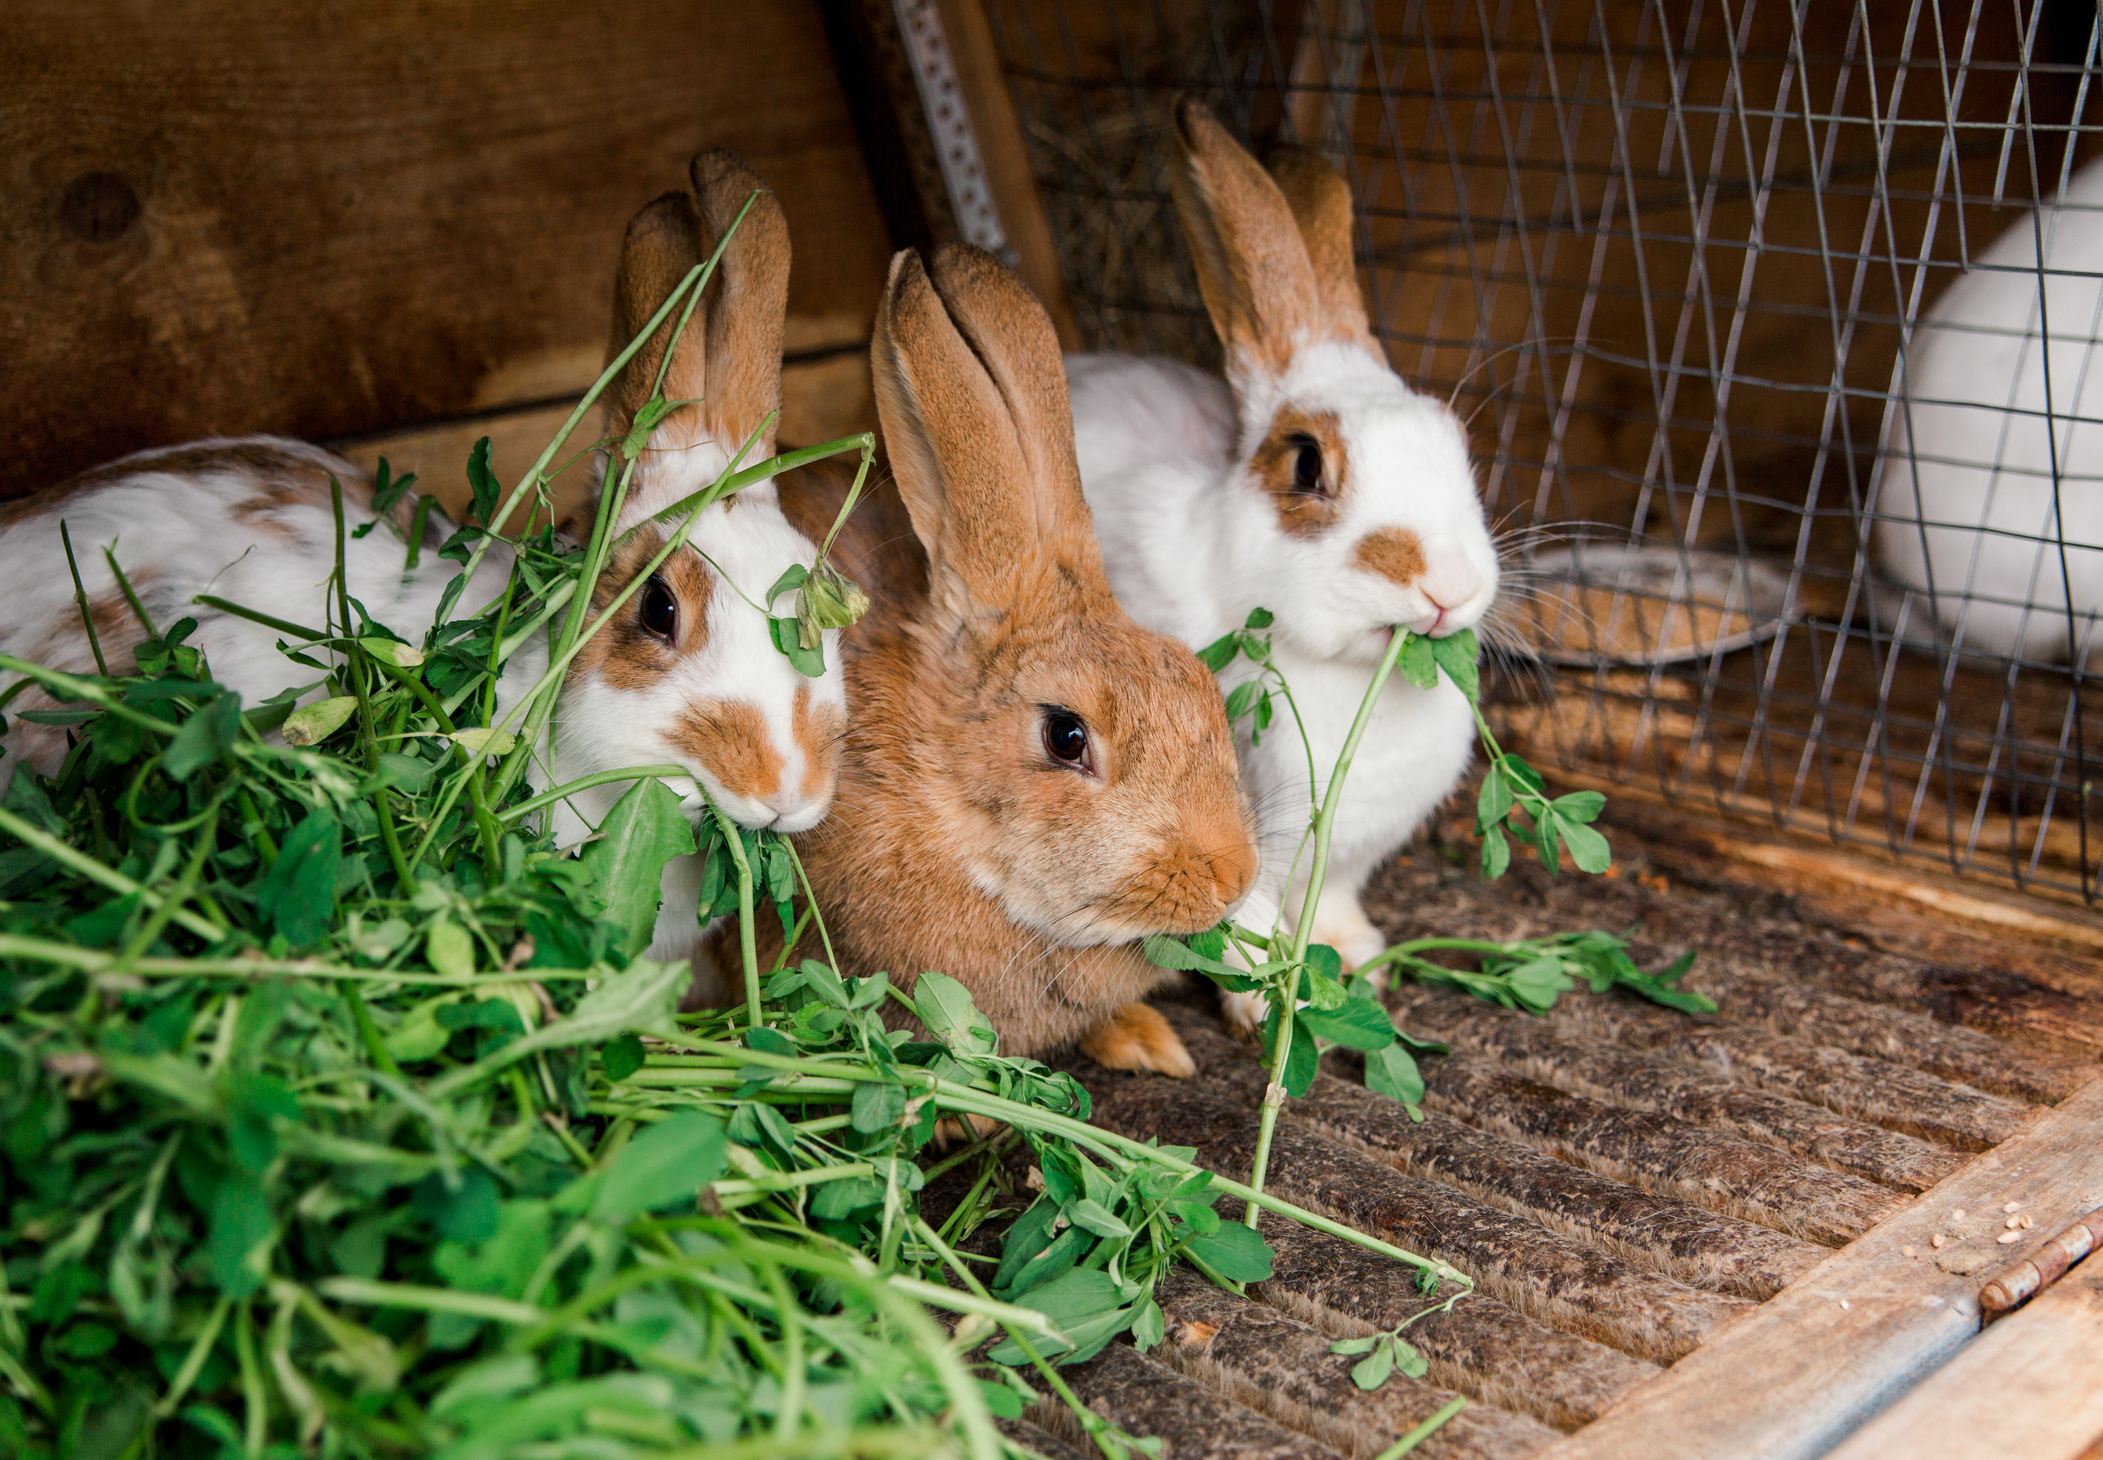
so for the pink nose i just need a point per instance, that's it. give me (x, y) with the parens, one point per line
(1447, 579)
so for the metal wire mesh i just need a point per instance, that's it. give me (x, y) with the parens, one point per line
(1716, 283)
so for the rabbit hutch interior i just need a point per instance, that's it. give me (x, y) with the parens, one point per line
(1771, 330)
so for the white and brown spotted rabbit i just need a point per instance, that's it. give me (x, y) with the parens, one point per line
(689, 673)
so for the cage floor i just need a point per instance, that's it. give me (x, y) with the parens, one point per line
(1733, 1235)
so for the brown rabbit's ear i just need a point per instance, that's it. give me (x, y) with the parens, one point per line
(1320, 200)
(729, 358)
(972, 397)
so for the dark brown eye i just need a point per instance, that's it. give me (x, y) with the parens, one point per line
(660, 611)
(1307, 467)
(1066, 738)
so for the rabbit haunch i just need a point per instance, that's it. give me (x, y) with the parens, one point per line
(686, 673)
(1312, 482)
(1032, 781)
(1967, 503)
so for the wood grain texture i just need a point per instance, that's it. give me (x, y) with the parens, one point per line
(220, 216)
(1792, 1378)
(2027, 1386)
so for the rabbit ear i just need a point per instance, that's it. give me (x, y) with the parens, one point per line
(1320, 201)
(1253, 267)
(729, 358)
(748, 301)
(972, 396)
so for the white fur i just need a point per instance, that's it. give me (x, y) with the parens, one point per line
(177, 535)
(1968, 462)
(1192, 544)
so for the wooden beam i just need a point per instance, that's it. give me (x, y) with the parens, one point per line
(2028, 1386)
(225, 216)
(1794, 1377)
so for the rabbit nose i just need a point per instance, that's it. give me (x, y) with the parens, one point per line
(794, 811)
(1448, 580)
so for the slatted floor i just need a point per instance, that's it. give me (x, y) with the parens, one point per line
(1622, 1181)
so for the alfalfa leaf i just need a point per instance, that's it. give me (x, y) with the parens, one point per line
(673, 1159)
(945, 1007)
(1373, 1370)
(298, 893)
(644, 831)
(1393, 1072)
(1237, 1252)
(1456, 654)
(209, 733)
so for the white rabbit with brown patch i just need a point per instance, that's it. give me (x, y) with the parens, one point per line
(1312, 482)
(688, 673)
(1032, 782)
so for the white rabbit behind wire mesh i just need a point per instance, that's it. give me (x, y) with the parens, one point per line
(1967, 506)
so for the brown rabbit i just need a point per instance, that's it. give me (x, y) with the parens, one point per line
(1031, 781)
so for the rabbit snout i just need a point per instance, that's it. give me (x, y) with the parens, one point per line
(1190, 877)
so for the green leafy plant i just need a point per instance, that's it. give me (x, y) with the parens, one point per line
(345, 1114)
(1309, 1001)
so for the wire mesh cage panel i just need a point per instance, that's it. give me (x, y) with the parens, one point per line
(1745, 302)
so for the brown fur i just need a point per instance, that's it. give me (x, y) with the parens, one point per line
(730, 738)
(729, 358)
(1272, 249)
(624, 653)
(1320, 201)
(1303, 514)
(1136, 1037)
(817, 735)
(945, 789)
(1393, 553)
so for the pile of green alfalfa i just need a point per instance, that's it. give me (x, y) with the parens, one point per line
(341, 1113)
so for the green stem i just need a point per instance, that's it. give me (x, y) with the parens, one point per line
(1425, 1430)
(256, 616)
(811, 902)
(80, 597)
(1284, 998)
(748, 948)
(88, 867)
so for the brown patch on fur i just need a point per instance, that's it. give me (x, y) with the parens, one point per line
(730, 738)
(1391, 552)
(1276, 464)
(991, 604)
(729, 358)
(624, 653)
(1136, 1037)
(817, 735)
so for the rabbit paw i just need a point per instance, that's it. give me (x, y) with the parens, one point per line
(1136, 1037)
(961, 1130)
(1341, 923)
(1244, 1013)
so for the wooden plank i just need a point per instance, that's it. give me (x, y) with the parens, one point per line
(822, 399)
(1792, 1378)
(221, 216)
(2028, 1386)
(1006, 161)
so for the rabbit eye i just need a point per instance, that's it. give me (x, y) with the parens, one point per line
(660, 611)
(1066, 739)
(1307, 466)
